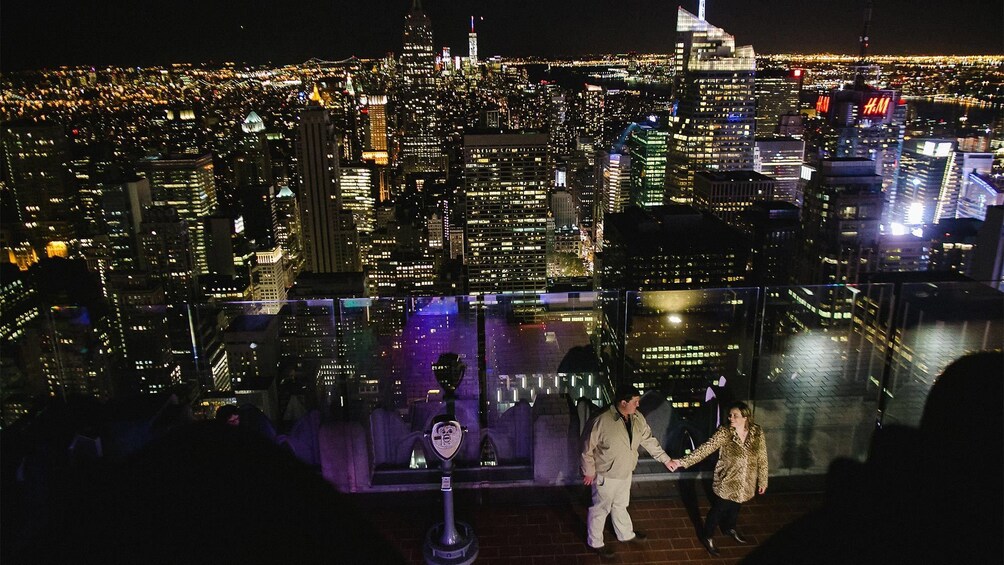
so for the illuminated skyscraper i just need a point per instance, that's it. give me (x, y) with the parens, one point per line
(421, 147)
(270, 276)
(35, 166)
(145, 363)
(614, 180)
(781, 159)
(956, 187)
(375, 134)
(925, 167)
(840, 221)
(728, 194)
(591, 113)
(776, 92)
(330, 240)
(860, 123)
(506, 180)
(166, 252)
(472, 46)
(186, 183)
(713, 123)
(647, 145)
(253, 165)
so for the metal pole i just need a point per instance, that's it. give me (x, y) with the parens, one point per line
(450, 536)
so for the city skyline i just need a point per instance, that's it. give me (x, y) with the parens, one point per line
(69, 34)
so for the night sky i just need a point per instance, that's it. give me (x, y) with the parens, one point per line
(48, 33)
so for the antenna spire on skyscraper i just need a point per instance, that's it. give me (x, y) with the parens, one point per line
(700, 10)
(862, 64)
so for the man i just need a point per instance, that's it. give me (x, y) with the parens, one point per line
(609, 458)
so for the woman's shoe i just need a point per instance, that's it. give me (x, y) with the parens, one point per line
(736, 536)
(709, 544)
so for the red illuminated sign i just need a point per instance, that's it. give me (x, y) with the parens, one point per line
(823, 104)
(876, 106)
(797, 73)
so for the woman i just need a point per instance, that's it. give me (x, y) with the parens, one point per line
(741, 469)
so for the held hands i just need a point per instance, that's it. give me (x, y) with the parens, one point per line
(673, 465)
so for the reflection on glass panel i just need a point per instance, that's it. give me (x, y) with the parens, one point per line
(936, 324)
(694, 350)
(820, 364)
(388, 347)
(279, 357)
(541, 345)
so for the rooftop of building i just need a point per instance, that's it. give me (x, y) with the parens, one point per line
(663, 226)
(732, 176)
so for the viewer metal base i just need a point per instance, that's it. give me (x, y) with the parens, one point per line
(464, 552)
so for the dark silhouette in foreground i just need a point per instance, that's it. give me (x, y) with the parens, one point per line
(205, 493)
(927, 495)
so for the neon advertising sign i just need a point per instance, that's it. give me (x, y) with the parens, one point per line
(876, 106)
(823, 104)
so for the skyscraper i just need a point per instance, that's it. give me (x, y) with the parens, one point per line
(421, 147)
(506, 180)
(591, 113)
(35, 165)
(713, 123)
(254, 164)
(647, 145)
(924, 168)
(166, 252)
(375, 134)
(776, 93)
(957, 183)
(330, 246)
(840, 221)
(781, 159)
(185, 182)
(728, 194)
(472, 45)
(860, 122)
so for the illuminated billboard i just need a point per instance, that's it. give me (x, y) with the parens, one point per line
(876, 105)
(823, 104)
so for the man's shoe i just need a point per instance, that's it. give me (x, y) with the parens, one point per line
(639, 536)
(709, 544)
(604, 551)
(736, 536)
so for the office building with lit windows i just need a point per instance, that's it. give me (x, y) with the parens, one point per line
(859, 121)
(952, 244)
(421, 146)
(776, 92)
(35, 164)
(980, 192)
(506, 181)
(924, 171)
(713, 124)
(330, 237)
(780, 158)
(727, 194)
(672, 247)
(647, 145)
(186, 183)
(840, 221)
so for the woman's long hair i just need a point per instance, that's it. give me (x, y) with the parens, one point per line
(743, 409)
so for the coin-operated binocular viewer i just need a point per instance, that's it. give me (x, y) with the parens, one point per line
(449, 542)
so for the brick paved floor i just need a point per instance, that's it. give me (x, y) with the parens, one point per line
(512, 529)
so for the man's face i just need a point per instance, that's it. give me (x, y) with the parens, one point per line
(629, 407)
